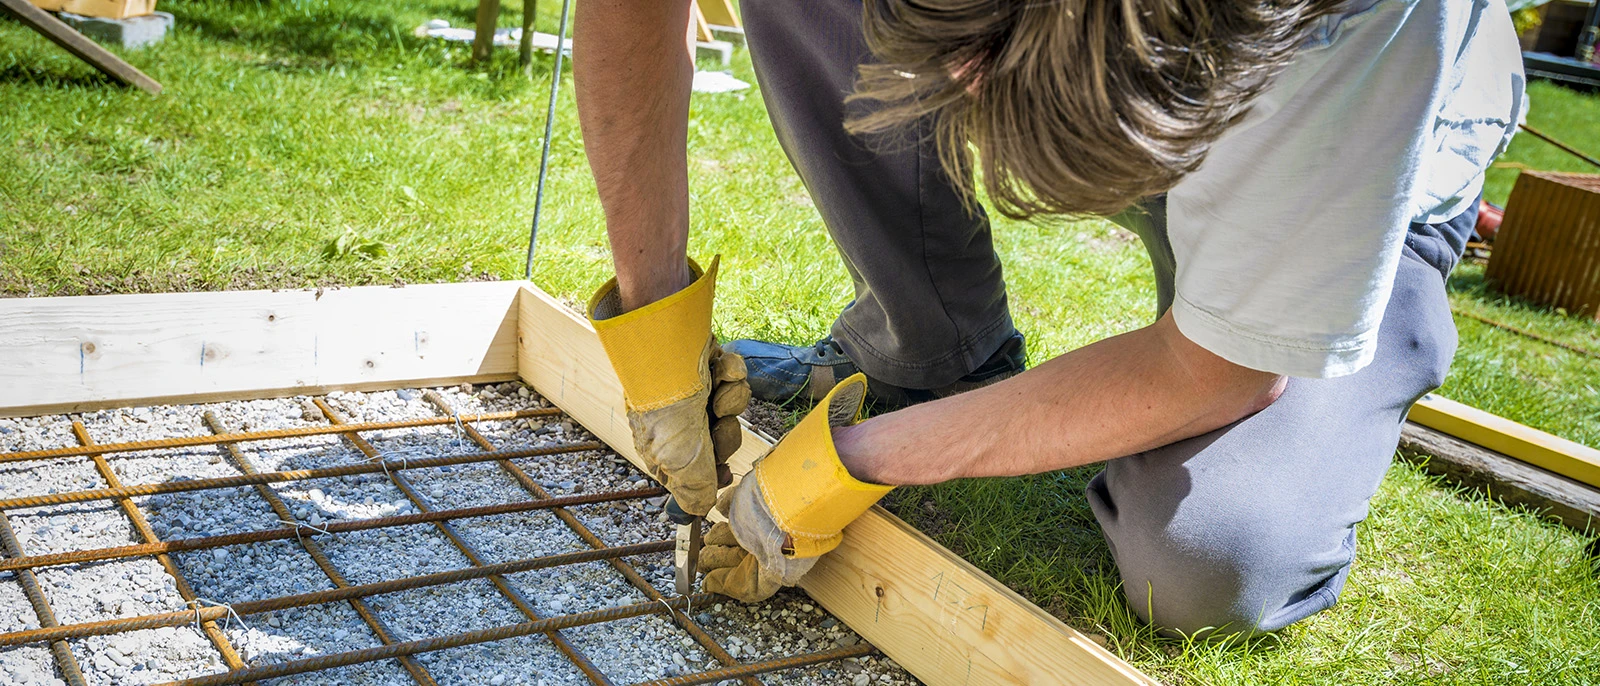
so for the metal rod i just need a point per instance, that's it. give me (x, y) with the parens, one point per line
(272, 434)
(578, 527)
(441, 643)
(549, 127)
(293, 475)
(467, 550)
(1573, 151)
(230, 656)
(65, 661)
(306, 532)
(415, 669)
(332, 595)
(1528, 334)
(773, 665)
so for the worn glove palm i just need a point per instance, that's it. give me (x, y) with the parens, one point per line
(792, 507)
(683, 393)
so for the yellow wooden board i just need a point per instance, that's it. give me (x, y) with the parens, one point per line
(719, 13)
(105, 9)
(933, 612)
(1559, 455)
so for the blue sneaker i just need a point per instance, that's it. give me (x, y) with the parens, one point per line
(797, 374)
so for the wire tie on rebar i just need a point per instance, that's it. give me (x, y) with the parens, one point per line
(460, 429)
(672, 611)
(299, 525)
(382, 459)
(232, 615)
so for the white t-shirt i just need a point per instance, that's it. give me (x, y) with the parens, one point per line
(1288, 237)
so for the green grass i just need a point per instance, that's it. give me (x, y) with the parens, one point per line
(286, 126)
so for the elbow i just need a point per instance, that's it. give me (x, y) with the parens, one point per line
(1264, 395)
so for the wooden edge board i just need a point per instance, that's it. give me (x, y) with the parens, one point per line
(80, 45)
(941, 618)
(72, 354)
(1501, 435)
(1503, 478)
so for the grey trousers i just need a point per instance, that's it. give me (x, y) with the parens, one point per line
(1248, 528)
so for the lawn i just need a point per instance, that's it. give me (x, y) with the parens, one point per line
(288, 126)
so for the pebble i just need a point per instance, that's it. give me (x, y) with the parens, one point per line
(861, 679)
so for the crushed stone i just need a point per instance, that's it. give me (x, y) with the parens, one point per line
(640, 648)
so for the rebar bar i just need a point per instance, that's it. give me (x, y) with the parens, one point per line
(332, 595)
(442, 642)
(763, 666)
(275, 502)
(293, 475)
(65, 661)
(284, 533)
(264, 435)
(230, 656)
(50, 631)
(467, 550)
(578, 527)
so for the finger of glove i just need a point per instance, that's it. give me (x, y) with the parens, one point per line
(745, 582)
(676, 440)
(727, 367)
(730, 398)
(721, 534)
(721, 556)
(727, 434)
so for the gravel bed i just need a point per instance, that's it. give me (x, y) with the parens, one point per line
(640, 648)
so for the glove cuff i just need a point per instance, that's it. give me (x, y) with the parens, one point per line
(658, 350)
(808, 491)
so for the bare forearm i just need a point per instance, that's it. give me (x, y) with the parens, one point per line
(633, 71)
(1117, 397)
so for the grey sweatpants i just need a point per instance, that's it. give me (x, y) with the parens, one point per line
(1248, 528)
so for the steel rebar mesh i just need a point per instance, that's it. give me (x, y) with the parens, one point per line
(56, 635)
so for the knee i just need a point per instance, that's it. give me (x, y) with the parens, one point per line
(1228, 581)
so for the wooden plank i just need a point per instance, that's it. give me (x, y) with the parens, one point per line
(697, 22)
(79, 45)
(1503, 478)
(719, 13)
(79, 353)
(933, 612)
(1556, 454)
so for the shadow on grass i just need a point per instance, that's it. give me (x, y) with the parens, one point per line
(1474, 283)
(332, 33)
(51, 78)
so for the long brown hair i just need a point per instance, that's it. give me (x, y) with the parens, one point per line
(1074, 106)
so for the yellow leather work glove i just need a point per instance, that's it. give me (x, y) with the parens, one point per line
(792, 507)
(683, 393)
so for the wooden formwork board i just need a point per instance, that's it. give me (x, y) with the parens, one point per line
(941, 618)
(1559, 455)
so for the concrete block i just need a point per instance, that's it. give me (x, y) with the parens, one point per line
(720, 50)
(130, 33)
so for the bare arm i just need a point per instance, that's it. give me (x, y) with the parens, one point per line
(633, 70)
(1129, 393)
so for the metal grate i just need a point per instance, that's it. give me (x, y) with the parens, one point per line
(205, 615)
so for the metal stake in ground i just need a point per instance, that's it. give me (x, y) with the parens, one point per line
(549, 126)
